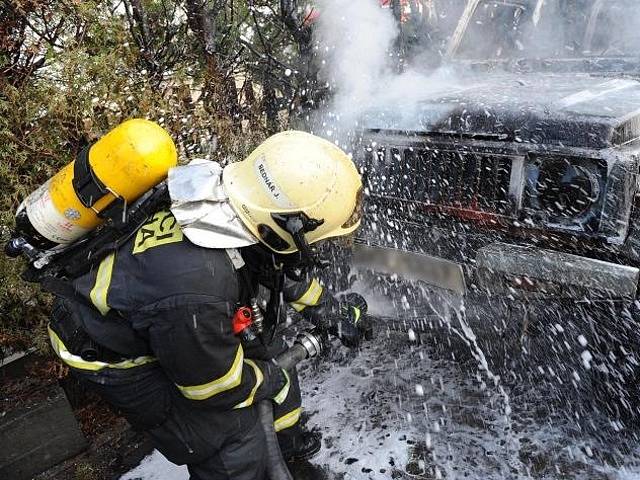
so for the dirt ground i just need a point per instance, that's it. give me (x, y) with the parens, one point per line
(113, 447)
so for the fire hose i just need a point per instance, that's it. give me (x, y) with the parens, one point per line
(307, 345)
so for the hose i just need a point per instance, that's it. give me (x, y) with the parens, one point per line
(309, 345)
(292, 356)
(276, 465)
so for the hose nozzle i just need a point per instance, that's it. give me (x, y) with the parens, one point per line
(307, 345)
(312, 342)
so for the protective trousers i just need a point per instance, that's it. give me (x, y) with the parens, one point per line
(214, 444)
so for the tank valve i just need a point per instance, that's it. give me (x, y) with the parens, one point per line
(13, 248)
(17, 246)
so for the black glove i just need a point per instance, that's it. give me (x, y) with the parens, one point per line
(350, 326)
(255, 349)
(356, 300)
(275, 380)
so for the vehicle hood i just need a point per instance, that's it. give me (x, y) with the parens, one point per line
(570, 109)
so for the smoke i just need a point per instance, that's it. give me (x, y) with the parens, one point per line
(355, 39)
(360, 65)
(369, 65)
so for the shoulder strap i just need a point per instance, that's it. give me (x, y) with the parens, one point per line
(235, 257)
(62, 288)
(247, 287)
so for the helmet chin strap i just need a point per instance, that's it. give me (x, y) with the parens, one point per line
(297, 224)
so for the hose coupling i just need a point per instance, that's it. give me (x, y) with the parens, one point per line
(312, 343)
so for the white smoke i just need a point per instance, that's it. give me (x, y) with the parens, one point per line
(356, 37)
(357, 42)
(360, 66)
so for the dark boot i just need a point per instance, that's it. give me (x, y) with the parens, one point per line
(302, 446)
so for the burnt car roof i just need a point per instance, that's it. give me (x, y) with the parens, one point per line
(571, 109)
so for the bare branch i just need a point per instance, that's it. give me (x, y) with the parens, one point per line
(202, 16)
(295, 25)
(141, 33)
(140, 16)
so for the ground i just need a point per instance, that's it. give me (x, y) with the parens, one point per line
(397, 409)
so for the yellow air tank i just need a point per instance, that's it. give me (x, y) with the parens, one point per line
(105, 177)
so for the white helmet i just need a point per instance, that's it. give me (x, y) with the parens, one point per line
(295, 189)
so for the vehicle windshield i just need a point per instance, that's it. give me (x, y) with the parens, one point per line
(507, 29)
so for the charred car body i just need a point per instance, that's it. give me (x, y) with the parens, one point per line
(517, 188)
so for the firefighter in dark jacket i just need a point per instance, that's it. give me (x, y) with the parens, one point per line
(151, 329)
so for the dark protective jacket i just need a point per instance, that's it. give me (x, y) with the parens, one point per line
(161, 300)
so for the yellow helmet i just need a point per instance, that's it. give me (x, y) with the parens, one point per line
(295, 189)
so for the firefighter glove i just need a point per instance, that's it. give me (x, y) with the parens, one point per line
(350, 327)
(276, 382)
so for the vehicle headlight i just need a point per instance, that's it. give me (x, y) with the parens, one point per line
(565, 192)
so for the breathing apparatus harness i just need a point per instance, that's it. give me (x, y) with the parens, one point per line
(70, 262)
(249, 321)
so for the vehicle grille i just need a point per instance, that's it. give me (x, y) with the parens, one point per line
(464, 180)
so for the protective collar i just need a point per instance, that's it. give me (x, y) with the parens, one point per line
(201, 206)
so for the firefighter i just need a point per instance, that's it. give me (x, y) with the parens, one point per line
(151, 328)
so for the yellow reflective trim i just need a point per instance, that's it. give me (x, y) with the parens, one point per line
(259, 380)
(99, 291)
(288, 420)
(308, 298)
(284, 392)
(76, 361)
(161, 229)
(229, 380)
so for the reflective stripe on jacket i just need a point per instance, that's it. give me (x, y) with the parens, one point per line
(78, 362)
(180, 300)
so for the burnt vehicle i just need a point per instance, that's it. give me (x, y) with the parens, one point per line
(516, 188)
